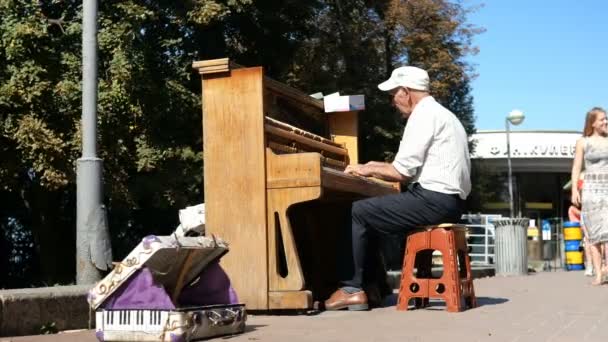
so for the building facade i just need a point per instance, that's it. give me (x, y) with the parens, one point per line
(541, 166)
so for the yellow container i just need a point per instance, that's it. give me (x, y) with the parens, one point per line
(574, 258)
(573, 233)
(532, 232)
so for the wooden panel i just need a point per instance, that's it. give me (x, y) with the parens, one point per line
(235, 182)
(283, 90)
(290, 300)
(289, 170)
(212, 66)
(293, 94)
(279, 200)
(344, 127)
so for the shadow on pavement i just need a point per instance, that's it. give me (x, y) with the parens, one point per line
(482, 301)
(391, 300)
(253, 327)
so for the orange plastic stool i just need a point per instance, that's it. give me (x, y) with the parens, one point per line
(455, 286)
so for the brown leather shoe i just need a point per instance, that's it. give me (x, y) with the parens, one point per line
(342, 300)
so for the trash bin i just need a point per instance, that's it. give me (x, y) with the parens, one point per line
(511, 251)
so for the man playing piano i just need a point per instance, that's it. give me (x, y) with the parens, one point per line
(433, 159)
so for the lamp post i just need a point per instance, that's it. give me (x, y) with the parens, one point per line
(93, 250)
(515, 117)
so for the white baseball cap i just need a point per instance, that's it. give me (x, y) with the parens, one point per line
(408, 77)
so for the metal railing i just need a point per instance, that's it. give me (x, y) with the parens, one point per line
(480, 239)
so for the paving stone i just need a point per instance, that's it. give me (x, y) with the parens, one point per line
(546, 306)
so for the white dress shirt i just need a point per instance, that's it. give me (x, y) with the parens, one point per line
(434, 150)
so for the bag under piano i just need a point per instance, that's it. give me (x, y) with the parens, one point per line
(169, 288)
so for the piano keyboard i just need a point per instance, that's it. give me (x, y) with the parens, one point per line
(129, 320)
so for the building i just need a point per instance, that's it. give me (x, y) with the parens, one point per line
(541, 165)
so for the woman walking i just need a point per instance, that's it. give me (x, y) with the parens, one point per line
(592, 154)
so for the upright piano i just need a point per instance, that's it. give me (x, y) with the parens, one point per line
(274, 184)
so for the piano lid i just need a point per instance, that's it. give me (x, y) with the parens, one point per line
(173, 263)
(224, 65)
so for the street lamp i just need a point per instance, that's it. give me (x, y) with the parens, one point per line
(515, 117)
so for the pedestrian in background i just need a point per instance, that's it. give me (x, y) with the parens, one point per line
(592, 154)
(574, 215)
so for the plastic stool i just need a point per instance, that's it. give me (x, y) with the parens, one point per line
(455, 286)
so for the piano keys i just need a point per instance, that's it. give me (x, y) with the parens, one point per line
(274, 184)
(182, 324)
(150, 321)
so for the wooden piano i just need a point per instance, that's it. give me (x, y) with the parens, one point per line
(274, 184)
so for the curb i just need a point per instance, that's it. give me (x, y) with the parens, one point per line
(27, 311)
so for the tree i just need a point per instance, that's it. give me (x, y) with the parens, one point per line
(358, 43)
(149, 119)
(434, 35)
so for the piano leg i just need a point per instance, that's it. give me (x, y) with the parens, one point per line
(278, 300)
(303, 235)
(285, 277)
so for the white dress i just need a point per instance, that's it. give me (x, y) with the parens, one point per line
(594, 211)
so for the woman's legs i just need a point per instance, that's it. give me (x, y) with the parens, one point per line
(574, 214)
(588, 262)
(588, 252)
(605, 257)
(596, 257)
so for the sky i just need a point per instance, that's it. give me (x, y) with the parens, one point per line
(547, 58)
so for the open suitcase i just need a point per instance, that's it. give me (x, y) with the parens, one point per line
(168, 288)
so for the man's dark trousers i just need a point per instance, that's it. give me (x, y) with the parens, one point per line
(392, 215)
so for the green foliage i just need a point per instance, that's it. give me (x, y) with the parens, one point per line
(434, 35)
(148, 116)
(149, 119)
(356, 44)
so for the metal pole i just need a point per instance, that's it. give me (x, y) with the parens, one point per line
(88, 167)
(510, 177)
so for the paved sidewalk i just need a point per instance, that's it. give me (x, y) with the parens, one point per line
(549, 306)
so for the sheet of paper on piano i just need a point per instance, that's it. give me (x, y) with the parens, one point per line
(343, 103)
